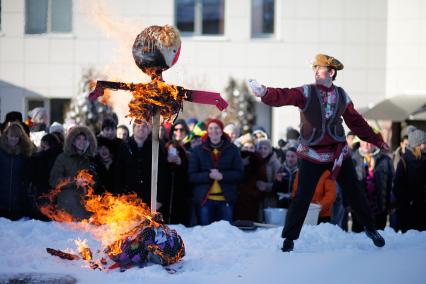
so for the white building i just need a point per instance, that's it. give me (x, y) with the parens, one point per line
(45, 46)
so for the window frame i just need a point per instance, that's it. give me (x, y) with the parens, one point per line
(262, 35)
(198, 21)
(49, 20)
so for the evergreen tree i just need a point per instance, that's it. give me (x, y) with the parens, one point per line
(82, 111)
(241, 109)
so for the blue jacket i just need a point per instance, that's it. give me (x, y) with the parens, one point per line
(229, 164)
(14, 171)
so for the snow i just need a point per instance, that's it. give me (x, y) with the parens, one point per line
(220, 253)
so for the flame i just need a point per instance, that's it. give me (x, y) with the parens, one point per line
(83, 249)
(147, 98)
(106, 98)
(114, 219)
(114, 216)
(50, 210)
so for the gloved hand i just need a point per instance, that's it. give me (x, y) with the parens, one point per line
(257, 89)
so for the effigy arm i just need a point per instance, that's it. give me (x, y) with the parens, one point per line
(102, 85)
(204, 97)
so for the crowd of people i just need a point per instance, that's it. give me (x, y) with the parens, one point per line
(206, 172)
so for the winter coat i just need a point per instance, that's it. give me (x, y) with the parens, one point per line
(15, 171)
(105, 176)
(133, 170)
(41, 165)
(229, 164)
(272, 167)
(179, 194)
(249, 197)
(410, 191)
(325, 193)
(67, 165)
(396, 156)
(379, 199)
(285, 186)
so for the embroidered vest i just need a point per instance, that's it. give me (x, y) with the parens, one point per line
(314, 125)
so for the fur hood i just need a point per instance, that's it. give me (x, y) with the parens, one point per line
(69, 148)
(25, 146)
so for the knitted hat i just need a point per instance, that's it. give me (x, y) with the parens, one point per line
(292, 133)
(217, 121)
(247, 139)
(192, 120)
(56, 127)
(416, 136)
(38, 114)
(199, 129)
(232, 128)
(108, 123)
(264, 142)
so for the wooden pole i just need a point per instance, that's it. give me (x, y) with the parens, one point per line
(154, 164)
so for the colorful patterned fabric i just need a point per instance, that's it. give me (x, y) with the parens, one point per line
(328, 99)
(152, 242)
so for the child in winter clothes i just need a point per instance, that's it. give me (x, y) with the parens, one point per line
(325, 195)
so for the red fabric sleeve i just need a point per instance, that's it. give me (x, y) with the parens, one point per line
(360, 127)
(286, 96)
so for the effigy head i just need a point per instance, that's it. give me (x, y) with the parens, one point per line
(157, 48)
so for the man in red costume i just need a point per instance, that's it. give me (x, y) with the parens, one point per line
(322, 143)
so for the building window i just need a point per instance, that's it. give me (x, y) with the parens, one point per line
(262, 17)
(32, 103)
(48, 16)
(58, 108)
(200, 17)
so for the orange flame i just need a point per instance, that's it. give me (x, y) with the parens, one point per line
(147, 98)
(114, 216)
(106, 98)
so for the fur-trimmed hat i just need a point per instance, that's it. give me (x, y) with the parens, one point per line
(416, 136)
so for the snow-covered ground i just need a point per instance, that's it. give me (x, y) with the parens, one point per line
(220, 253)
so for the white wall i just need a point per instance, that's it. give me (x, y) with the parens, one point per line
(355, 32)
(406, 47)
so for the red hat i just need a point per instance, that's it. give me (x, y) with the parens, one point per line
(217, 121)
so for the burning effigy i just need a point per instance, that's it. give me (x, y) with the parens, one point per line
(135, 233)
(156, 49)
(129, 233)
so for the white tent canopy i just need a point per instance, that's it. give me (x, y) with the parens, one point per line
(398, 108)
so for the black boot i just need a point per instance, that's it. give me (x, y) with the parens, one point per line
(288, 245)
(378, 240)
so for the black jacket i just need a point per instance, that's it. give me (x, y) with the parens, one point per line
(379, 199)
(410, 180)
(410, 192)
(133, 170)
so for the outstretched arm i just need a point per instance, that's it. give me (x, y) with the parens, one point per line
(278, 96)
(360, 127)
